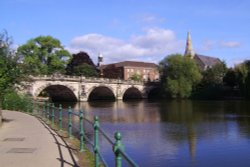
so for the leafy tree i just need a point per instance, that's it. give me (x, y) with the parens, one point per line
(136, 77)
(111, 71)
(243, 78)
(85, 70)
(181, 74)
(10, 72)
(215, 74)
(230, 78)
(211, 86)
(81, 64)
(43, 55)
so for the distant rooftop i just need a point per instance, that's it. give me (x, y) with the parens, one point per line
(207, 60)
(133, 64)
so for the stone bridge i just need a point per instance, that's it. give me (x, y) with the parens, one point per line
(75, 88)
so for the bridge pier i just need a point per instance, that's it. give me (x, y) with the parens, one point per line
(83, 99)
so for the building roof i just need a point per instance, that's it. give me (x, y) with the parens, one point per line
(207, 60)
(132, 64)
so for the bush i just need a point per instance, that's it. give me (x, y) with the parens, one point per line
(14, 101)
(209, 92)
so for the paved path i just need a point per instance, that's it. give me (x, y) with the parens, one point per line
(27, 142)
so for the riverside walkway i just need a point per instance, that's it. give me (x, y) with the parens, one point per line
(25, 141)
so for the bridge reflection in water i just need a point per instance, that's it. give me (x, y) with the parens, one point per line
(177, 133)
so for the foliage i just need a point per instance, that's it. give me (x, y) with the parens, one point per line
(243, 78)
(85, 70)
(111, 71)
(10, 72)
(230, 78)
(81, 64)
(18, 102)
(136, 77)
(43, 55)
(215, 74)
(180, 73)
(211, 85)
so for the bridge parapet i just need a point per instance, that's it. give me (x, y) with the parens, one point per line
(85, 79)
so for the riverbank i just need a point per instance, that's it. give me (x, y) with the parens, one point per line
(26, 141)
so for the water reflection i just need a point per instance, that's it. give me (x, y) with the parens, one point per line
(177, 133)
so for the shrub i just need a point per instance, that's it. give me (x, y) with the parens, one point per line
(19, 102)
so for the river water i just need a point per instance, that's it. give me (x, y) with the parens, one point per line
(177, 133)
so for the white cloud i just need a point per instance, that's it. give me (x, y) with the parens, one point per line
(153, 45)
(210, 44)
(230, 44)
(150, 19)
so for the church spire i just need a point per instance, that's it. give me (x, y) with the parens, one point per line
(189, 48)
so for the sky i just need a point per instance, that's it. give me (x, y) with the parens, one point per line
(138, 30)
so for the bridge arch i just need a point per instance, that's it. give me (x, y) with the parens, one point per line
(57, 92)
(132, 93)
(101, 92)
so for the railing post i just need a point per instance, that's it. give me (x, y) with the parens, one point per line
(53, 114)
(96, 142)
(60, 116)
(117, 147)
(81, 132)
(48, 112)
(44, 108)
(33, 107)
(70, 122)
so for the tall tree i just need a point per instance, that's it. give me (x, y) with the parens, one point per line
(85, 70)
(215, 74)
(230, 78)
(181, 74)
(10, 72)
(243, 78)
(81, 64)
(43, 55)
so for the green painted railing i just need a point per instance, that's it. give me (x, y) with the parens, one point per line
(58, 115)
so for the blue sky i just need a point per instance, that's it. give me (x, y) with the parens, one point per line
(143, 30)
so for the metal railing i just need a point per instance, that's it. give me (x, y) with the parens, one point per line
(58, 115)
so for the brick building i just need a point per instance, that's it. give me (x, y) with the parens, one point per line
(126, 69)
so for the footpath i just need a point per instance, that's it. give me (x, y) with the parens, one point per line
(25, 141)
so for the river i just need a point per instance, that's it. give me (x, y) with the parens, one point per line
(176, 133)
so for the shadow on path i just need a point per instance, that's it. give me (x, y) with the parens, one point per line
(63, 147)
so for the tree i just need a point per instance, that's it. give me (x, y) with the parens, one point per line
(111, 71)
(211, 86)
(81, 64)
(230, 78)
(10, 72)
(181, 74)
(243, 77)
(85, 70)
(215, 74)
(43, 55)
(136, 77)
